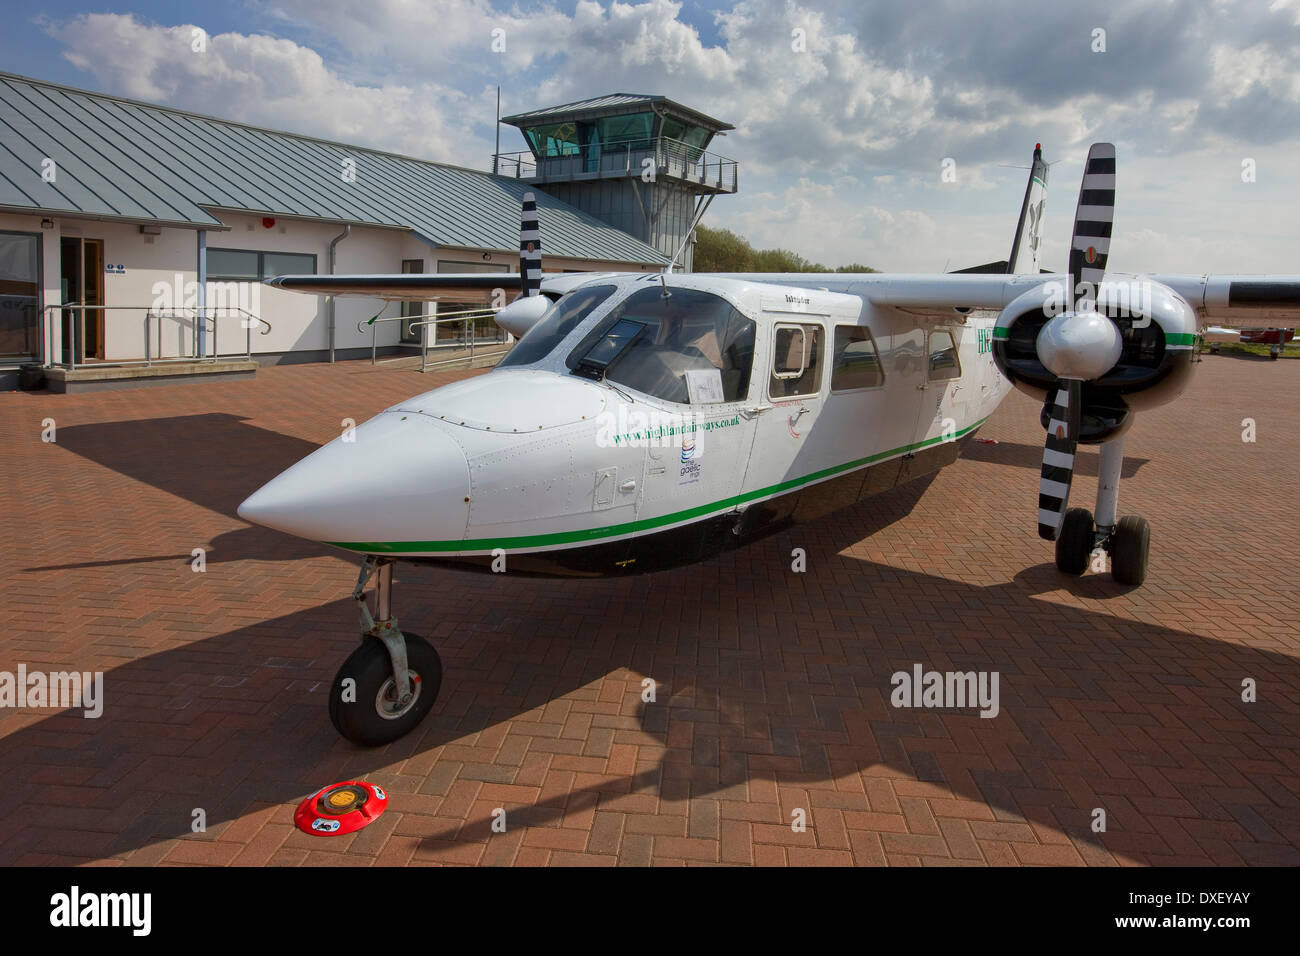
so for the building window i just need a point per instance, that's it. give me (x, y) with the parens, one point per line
(248, 265)
(796, 361)
(857, 363)
(944, 364)
(20, 294)
(412, 336)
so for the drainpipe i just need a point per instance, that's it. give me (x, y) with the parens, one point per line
(329, 307)
(202, 314)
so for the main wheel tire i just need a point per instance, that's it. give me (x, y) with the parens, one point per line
(1075, 542)
(1130, 543)
(372, 715)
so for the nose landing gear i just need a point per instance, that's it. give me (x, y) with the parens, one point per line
(1127, 540)
(389, 683)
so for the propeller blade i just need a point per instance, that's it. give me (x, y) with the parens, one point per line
(1058, 458)
(530, 247)
(1093, 220)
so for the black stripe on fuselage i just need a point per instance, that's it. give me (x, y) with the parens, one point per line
(1263, 294)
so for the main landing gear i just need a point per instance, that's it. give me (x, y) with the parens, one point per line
(390, 682)
(1127, 540)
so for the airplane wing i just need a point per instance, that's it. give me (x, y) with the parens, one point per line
(938, 294)
(431, 287)
(1242, 301)
(1248, 301)
(412, 287)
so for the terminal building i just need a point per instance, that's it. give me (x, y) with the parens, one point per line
(121, 220)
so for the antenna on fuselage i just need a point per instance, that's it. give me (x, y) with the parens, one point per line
(689, 232)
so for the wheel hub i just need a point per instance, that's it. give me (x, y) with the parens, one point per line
(389, 705)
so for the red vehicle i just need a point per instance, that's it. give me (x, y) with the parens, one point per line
(1266, 336)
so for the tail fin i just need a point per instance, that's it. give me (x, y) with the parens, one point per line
(1024, 250)
(530, 248)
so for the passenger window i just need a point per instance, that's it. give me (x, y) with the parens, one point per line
(670, 346)
(796, 360)
(857, 363)
(943, 357)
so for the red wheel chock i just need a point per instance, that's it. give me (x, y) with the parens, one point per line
(341, 808)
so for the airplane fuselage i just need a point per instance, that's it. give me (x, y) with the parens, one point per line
(548, 464)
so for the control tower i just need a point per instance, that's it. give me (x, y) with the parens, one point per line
(639, 163)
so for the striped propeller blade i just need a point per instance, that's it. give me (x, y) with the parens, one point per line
(530, 247)
(1058, 458)
(1093, 221)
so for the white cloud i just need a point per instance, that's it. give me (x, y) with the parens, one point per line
(268, 81)
(828, 139)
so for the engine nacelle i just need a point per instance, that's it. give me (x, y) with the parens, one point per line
(1158, 334)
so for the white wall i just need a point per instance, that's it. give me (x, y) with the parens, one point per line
(298, 321)
(161, 271)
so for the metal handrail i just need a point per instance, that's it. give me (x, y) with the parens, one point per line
(204, 314)
(426, 319)
(695, 161)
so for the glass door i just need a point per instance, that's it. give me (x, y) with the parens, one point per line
(81, 273)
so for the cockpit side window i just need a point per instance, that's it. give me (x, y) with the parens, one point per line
(944, 363)
(565, 316)
(695, 348)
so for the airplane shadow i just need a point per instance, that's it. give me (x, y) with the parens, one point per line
(764, 675)
(214, 460)
(1086, 463)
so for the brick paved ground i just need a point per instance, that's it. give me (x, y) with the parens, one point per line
(773, 686)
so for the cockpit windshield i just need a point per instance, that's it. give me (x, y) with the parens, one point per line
(692, 347)
(565, 316)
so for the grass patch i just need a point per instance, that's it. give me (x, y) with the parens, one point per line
(1291, 351)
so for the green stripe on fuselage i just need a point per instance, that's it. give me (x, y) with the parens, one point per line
(631, 527)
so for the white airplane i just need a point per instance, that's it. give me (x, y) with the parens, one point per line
(643, 422)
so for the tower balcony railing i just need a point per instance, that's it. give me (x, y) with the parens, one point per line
(668, 158)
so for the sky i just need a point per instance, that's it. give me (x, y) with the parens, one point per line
(846, 113)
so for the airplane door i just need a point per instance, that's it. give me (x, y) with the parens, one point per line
(789, 383)
(945, 407)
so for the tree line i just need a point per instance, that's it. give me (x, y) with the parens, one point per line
(721, 250)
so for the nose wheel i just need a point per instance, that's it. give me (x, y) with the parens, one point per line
(389, 683)
(1129, 545)
(1127, 541)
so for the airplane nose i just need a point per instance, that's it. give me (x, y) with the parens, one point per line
(397, 477)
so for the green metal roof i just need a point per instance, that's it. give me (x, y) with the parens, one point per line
(123, 159)
(614, 104)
